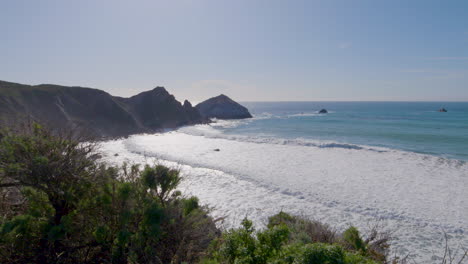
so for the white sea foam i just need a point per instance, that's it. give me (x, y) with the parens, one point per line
(417, 196)
(310, 114)
(305, 115)
(212, 131)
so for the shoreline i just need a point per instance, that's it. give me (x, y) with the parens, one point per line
(236, 197)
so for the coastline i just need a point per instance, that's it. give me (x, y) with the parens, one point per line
(235, 194)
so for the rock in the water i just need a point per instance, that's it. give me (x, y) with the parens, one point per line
(323, 111)
(216, 149)
(222, 107)
(443, 110)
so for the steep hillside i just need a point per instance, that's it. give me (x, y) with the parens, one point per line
(158, 109)
(94, 110)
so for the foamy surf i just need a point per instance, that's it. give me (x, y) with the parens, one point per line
(212, 131)
(418, 197)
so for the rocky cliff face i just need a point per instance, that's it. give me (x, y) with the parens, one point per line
(158, 109)
(94, 110)
(222, 107)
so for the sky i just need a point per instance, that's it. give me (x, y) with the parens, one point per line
(250, 50)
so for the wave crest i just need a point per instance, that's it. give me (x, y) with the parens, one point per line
(211, 131)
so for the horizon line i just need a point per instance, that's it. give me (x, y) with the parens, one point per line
(258, 101)
(353, 101)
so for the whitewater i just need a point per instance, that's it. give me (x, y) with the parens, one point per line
(417, 197)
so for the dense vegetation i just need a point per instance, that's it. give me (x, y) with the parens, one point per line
(59, 204)
(291, 239)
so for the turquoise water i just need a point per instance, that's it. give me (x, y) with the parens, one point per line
(289, 157)
(410, 126)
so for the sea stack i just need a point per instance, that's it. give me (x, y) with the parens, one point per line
(323, 111)
(222, 107)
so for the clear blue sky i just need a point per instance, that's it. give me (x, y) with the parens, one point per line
(250, 50)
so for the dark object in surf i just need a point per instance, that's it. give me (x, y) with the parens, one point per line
(323, 111)
(443, 110)
(216, 149)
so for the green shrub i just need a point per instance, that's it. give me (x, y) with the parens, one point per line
(280, 243)
(190, 205)
(353, 258)
(71, 209)
(353, 239)
(244, 246)
(321, 253)
(304, 230)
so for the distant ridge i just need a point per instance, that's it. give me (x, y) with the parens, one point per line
(98, 112)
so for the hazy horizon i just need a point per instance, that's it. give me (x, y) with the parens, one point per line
(253, 101)
(250, 50)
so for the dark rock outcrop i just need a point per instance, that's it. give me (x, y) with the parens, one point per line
(323, 111)
(192, 112)
(95, 111)
(157, 109)
(222, 107)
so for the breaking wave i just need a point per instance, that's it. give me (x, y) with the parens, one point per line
(211, 131)
(416, 196)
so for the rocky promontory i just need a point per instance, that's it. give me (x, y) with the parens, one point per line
(222, 107)
(102, 115)
(94, 111)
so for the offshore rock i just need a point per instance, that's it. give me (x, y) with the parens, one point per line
(222, 107)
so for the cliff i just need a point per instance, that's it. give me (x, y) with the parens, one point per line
(222, 107)
(96, 111)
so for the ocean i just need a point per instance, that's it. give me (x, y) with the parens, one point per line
(400, 165)
(410, 126)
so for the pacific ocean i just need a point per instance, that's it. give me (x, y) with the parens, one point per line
(401, 165)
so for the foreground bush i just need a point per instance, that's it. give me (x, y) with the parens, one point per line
(59, 205)
(291, 239)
